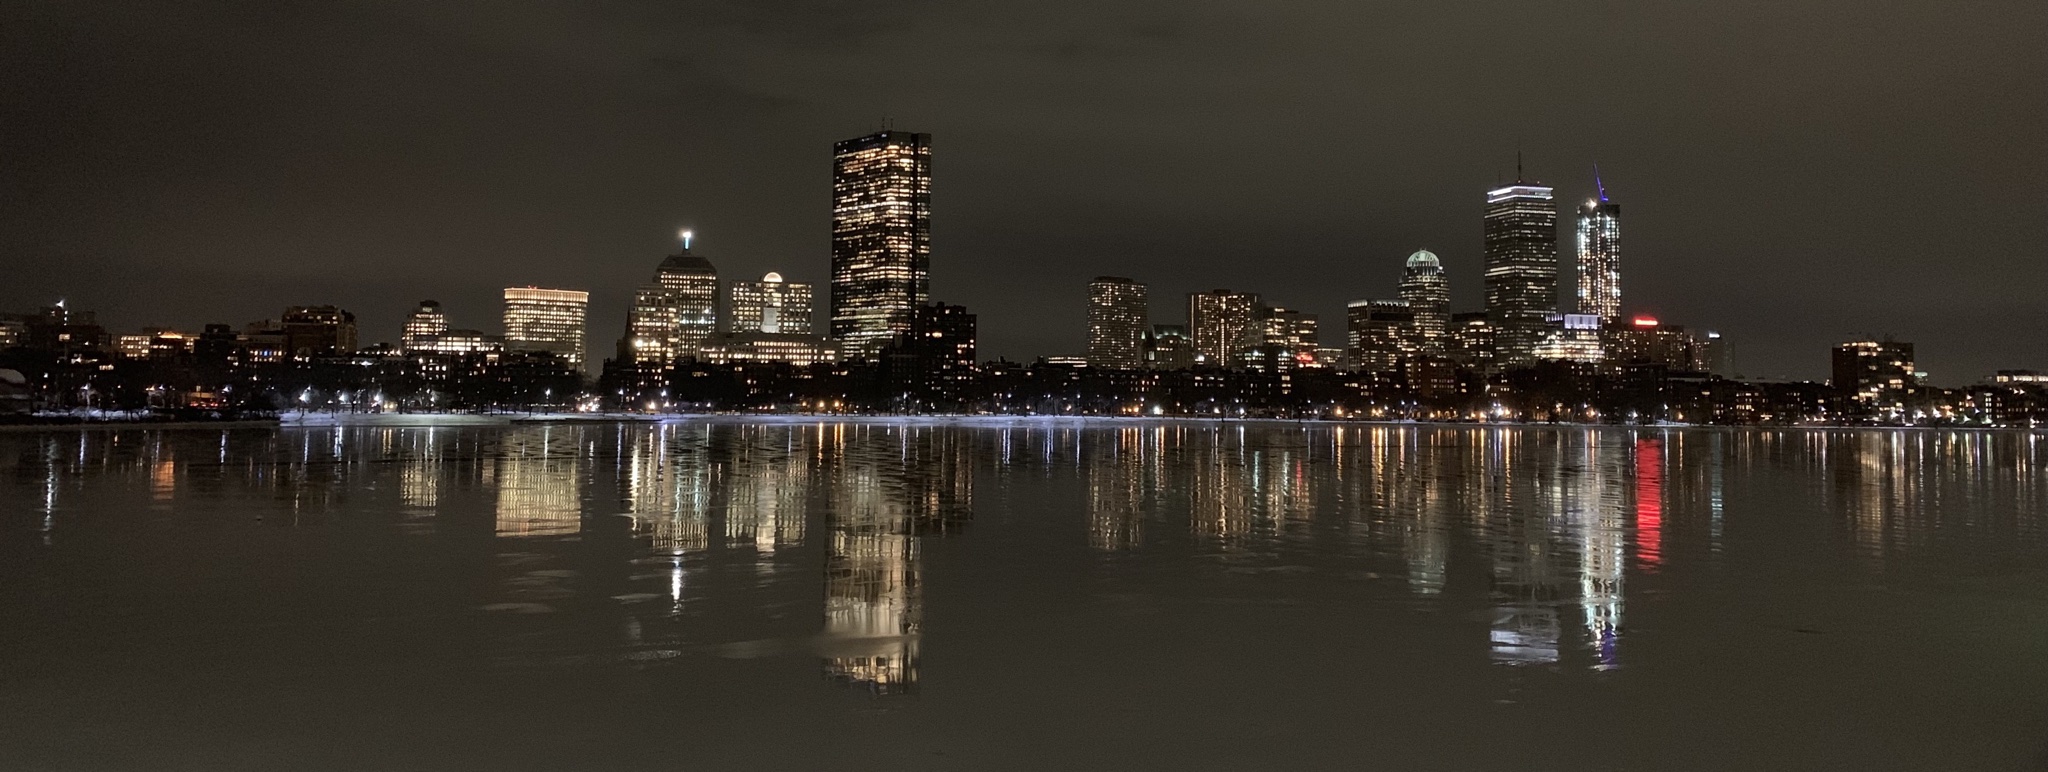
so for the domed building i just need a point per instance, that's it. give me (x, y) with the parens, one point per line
(1428, 291)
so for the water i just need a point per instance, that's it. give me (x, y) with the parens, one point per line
(1022, 595)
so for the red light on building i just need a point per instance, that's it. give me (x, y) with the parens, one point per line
(1645, 321)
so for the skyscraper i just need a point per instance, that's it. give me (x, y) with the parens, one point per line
(770, 305)
(881, 237)
(650, 328)
(426, 324)
(549, 320)
(1380, 334)
(675, 314)
(1117, 323)
(1428, 292)
(1600, 257)
(690, 284)
(1220, 323)
(1521, 269)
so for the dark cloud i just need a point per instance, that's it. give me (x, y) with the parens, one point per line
(1791, 173)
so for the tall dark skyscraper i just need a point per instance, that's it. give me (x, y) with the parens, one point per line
(881, 237)
(1428, 292)
(1600, 257)
(1117, 323)
(1521, 269)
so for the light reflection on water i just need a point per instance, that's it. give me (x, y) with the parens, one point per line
(651, 543)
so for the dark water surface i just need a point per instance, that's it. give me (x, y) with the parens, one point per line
(1022, 595)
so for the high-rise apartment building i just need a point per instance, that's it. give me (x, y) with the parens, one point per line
(1469, 341)
(770, 305)
(1878, 374)
(1428, 292)
(931, 367)
(1521, 269)
(426, 323)
(1600, 258)
(650, 328)
(1380, 334)
(547, 320)
(1220, 325)
(881, 238)
(1117, 323)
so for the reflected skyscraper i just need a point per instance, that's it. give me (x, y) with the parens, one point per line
(874, 600)
(539, 492)
(671, 490)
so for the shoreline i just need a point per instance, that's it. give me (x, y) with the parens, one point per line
(456, 420)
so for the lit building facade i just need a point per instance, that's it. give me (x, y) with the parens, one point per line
(1643, 339)
(426, 321)
(1877, 374)
(1577, 338)
(1220, 325)
(775, 347)
(154, 343)
(881, 238)
(459, 342)
(1428, 292)
(650, 329)
(1118, 312)
(690, 284)
(770, 305)
(1600, 259)
(547, 320)
(1521, 270)
(1380, 334)
(1283, 339)
(1469, 341)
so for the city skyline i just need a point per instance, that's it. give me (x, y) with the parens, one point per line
(450, 186)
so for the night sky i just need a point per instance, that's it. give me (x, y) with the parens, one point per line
(1792, 174)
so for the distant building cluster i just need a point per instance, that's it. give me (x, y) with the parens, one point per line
(696, 341)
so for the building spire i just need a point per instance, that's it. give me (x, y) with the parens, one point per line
(1518, 163)
(685, 234)
(1597, 185)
